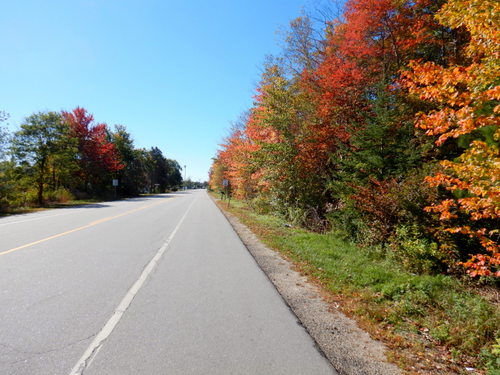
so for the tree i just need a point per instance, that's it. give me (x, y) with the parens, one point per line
(40, 141)
(133, 174)
(3, 134)
(174, 175)
(98, 157)
(6, 184)
(465, 99)
(159, 172)
(164, 173)
(236, 163)
(303, 46)
(216, 174)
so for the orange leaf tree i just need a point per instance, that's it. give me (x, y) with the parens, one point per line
(466, 100)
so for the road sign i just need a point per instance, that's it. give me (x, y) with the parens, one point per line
(115, 182)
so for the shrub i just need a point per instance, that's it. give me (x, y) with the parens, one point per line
(60, 195)
(415, 252)
(261, 205)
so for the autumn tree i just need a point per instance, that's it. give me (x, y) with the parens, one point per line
(216, 174)
(466, 109)
(98, 158)
(364, 120)
(304, 44)
(235, 161)
(272, 128)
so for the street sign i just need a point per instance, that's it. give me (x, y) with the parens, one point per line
(225, 182)
(115, 182)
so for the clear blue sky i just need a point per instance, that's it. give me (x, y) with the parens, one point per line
(175, 73)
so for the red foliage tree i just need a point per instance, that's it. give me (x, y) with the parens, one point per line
(97, 155)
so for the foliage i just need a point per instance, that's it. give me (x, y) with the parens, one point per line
(4, 134)
(7, 184)
(163, 173)
(143, 171)
(491, 357)
(42, 144)
(60, 195)
(133, 172)
(97, 156)
(6, 187)
(466, 100)
(415, 252)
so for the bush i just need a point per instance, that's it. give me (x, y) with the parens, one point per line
(415, 252)
(347, 222)
(261, 205)
(26, 198)
(60, 195)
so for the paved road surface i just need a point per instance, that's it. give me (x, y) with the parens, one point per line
(156, 285)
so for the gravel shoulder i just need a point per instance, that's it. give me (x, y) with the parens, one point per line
(350, 350)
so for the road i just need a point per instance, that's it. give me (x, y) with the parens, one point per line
(154, 285)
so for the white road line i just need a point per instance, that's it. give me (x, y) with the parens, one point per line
(110, 325)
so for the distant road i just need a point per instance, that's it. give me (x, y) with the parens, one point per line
(154, 285)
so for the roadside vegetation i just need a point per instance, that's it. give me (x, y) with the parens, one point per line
(376, 133)
(432, 324)
(66, 158)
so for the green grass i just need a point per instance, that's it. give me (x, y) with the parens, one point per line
(423, 312)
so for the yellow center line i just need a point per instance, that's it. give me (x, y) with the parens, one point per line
(93, 223)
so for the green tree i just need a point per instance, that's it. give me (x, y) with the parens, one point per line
(174, 177)
(3, 134)
(163, 173)
(158, 170)
(6, 183)
(43, 145)
(383, 146)
(132, 177)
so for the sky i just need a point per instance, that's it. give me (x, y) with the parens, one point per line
(175, 73)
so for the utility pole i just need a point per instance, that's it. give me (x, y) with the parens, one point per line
(185, 183)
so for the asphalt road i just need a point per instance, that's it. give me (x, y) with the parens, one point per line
(156, 285)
